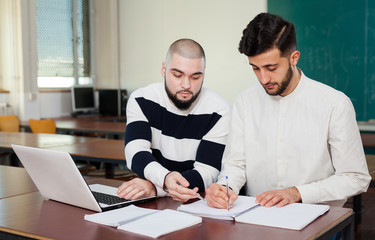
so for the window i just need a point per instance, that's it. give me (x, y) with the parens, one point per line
(63, 43)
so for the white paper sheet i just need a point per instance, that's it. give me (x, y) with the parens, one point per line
(119, 216)
(200, 208)
(294, 216)
(161, 223)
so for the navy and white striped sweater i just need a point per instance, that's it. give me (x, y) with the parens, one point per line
(160, 138)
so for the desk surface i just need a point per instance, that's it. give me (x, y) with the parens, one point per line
(81, 148)
(31, 216)
(15, 181)
(40, 140)
(107, 125)
(90, 124)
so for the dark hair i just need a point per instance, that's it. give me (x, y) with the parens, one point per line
(265, 32)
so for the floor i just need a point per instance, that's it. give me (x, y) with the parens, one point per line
(366, 229)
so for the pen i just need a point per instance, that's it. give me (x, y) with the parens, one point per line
(200, 197)
(197, 194)
(227, 193)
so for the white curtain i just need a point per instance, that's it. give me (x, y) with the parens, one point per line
(18, 59)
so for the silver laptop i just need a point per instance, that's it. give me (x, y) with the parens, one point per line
(57, 177)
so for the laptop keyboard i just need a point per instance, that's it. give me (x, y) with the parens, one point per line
(108, 199)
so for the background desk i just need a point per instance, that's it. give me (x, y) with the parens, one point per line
(108, 151)
(111, 127)
(30, 215)
(365, 126)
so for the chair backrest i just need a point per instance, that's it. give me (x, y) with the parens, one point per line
(42, 126)
(9, 123)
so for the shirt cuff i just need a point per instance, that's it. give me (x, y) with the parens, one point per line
(309, 193)
(156, 173)
(160, 192)
(164, 187)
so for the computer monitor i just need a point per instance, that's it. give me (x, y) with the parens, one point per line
(109, 102)
(83, 99)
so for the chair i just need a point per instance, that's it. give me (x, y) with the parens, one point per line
(42, 126)
(9, 123)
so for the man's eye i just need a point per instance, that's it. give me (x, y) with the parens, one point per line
(177, 75)
(271, 69)
(255, 68)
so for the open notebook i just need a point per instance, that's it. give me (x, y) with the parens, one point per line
(149, 222)
(294, 216)
(57, 177)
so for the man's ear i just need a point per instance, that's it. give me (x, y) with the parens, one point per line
(163, 70)
(294, 57)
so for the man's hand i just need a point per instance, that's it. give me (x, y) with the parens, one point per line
(136, 188)
(279, 197)
(216, 196)
(177, 186)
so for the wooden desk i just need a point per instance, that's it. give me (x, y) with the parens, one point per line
(108, 151)
(40, 140)
(15, 181)
(368, 140)
(111, 126)
(31, 216)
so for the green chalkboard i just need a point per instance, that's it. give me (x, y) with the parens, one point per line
(336, 39)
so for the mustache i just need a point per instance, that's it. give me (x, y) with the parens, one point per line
(185, 91)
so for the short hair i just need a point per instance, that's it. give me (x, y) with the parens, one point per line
(265, 32)
(186, 48)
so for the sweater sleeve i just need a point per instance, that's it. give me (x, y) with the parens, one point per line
(209, 154)
(138, 152)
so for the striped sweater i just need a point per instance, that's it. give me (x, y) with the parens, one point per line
(160, 138)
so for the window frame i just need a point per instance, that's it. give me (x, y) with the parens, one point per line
(75, 80)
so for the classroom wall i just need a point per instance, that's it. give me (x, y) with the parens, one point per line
(147, 28)
(129, 42)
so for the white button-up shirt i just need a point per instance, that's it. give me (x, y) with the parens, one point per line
(308, 139)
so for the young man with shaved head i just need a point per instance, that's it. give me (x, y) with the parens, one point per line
(176, 130)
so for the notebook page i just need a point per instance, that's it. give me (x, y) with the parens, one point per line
(294, 216)
(119, 216)
(161, 223)
(200, 208)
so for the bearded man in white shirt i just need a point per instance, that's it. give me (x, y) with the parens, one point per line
(292, 139)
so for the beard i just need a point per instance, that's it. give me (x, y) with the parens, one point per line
(182, 104)
(284, 83)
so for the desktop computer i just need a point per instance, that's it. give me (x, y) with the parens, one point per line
(109, 102)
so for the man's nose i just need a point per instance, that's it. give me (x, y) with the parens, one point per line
(264, 77)
(186, 83)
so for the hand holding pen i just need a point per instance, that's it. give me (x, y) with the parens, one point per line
(220, 196)
(177, 187)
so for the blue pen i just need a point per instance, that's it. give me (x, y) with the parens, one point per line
(227, 192)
